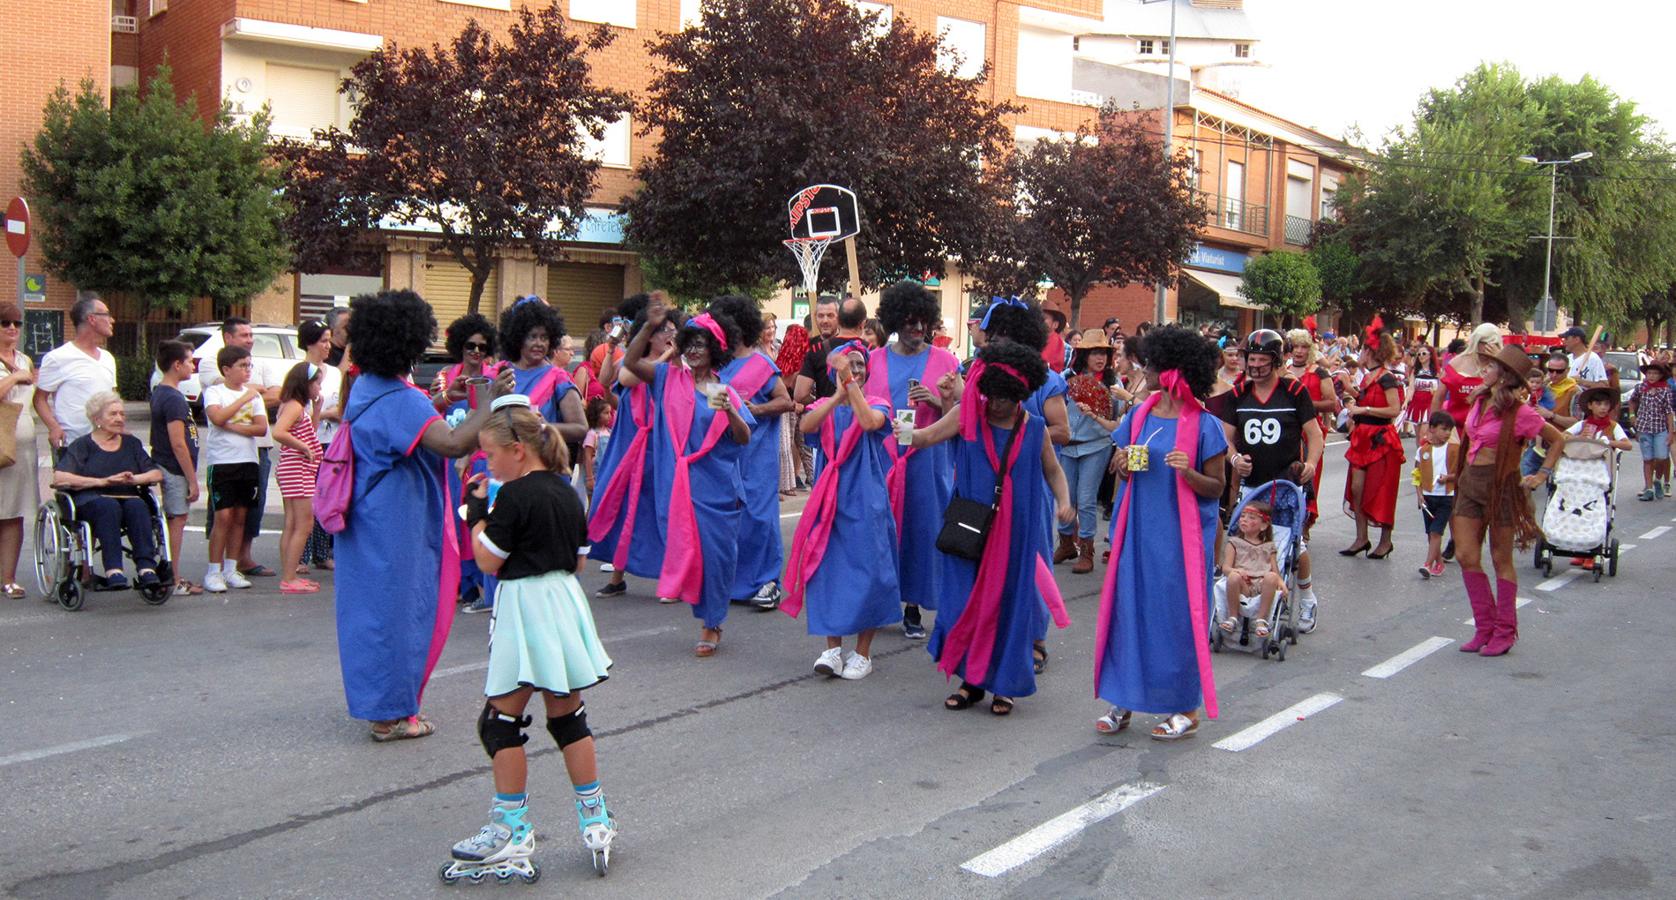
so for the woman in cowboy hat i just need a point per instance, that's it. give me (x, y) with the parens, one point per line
(1653, 406)
(1090, 448)
(1489, 499)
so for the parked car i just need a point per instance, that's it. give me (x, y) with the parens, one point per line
(1629, 375)
(272, 342)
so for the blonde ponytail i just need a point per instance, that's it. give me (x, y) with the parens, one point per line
(517, 424)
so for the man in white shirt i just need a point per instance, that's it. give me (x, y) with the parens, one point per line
(1586, 365)
(267, 375)
(71, 374)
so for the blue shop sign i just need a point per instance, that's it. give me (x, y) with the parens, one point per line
(1217, 260)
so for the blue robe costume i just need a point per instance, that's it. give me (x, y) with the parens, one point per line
(1054, 386)
(645, 548)
(928, 487)
(856, 588)
(762, 554)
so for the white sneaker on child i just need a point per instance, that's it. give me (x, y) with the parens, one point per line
(214, 583)
(857, 668)
(831, 663)
(234, 579)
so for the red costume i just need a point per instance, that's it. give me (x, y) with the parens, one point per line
(1376, 448)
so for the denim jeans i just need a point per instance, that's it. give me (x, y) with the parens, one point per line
(1082, 475)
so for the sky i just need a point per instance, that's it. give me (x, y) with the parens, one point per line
(1332, 64)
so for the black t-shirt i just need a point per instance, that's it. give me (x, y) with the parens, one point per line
(86, 458)
(538, 523)
(169, 405)
(814, 364)
(1271, 429)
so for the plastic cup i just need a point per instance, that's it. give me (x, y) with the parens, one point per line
(905, 417)
(1140, 459)
(715, 394)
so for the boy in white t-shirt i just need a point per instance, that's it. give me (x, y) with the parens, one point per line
(1434, 487)
(236, 418)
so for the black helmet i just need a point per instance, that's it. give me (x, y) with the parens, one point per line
(1265, 340)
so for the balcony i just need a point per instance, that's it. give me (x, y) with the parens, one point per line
(1237, 215)
(1298, 230)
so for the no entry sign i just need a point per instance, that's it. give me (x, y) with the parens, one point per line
(17, 226)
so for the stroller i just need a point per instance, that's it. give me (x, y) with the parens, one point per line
(1289, 509)
(1579, 518)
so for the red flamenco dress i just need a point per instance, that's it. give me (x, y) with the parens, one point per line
(1376, 448)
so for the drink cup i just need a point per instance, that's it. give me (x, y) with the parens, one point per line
(1140, 459)
(716, 395)
(494, 490)
(904, 427)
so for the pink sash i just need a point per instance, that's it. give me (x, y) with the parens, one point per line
(547, 387)
(940, 363)
(814, 528)
(448, 579)
(752, 376)
(683, 561)
(972, 639)
(1192, 543)
(624, 485)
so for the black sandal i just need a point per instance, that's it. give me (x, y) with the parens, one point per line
(1040, 655)
(964, 697)
(1001, 706)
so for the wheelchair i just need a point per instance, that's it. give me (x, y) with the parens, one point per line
(66, 558)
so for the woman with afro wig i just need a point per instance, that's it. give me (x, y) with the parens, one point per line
(986, 616)
(398, 566)
(1150, 653)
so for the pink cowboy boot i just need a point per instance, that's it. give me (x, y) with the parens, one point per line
(1507, 619)
(1483, 610)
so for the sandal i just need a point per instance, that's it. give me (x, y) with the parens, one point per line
(1176, 727)
(1001, 706)
(1114, 721)
(299, 586)
(14, 591)
(257, 571)
(1040, 655)
(964, 697)
(1260, 627)
(410, 728)
(184, 588)
(303, 569)
(705, 649)
(1229, 624)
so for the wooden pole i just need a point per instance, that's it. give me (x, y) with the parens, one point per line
(855, 268)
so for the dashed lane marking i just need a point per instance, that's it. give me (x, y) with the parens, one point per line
(1058, 830)
(1408, 657)
(1655, 533)
(89, 744)
(1561, 580)
(1280, 721)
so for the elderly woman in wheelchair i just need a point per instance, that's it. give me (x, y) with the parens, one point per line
(105, 474)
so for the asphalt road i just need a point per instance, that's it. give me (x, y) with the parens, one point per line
(202, 749)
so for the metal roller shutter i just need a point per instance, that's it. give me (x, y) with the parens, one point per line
(448, 291)
(581, 291)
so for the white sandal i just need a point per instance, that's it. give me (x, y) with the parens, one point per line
(1176, 727)
(1114, 721)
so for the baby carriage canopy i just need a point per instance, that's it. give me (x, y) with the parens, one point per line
(1288, 510)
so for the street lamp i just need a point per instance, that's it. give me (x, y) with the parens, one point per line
(1546, 312)
(1169, 137)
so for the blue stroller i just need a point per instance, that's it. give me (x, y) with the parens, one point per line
(1289, 510)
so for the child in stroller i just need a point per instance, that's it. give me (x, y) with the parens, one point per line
(1249, 564)
(1579, 514)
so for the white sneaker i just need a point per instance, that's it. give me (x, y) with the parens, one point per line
(235, 579)
(607, 567)
(1306, 614)
(831, 663)
(214, 583)
(857, 667)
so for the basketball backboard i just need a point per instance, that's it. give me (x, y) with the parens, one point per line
(823, 211)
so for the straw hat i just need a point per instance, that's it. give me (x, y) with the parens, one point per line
(1514, 362)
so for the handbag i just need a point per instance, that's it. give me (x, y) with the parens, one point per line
(966, 523)
(9, 413)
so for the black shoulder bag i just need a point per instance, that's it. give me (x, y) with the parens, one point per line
(966, 523)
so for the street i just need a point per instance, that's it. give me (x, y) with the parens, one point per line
(202, 749)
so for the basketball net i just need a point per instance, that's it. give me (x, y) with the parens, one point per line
(809, 252)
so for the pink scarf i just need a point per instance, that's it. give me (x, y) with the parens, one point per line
(939, 364)
(814, 529)
(751, 376)
(1192, 544)
(547, 387)
(624, 485)
(972, 639)
(683, 560)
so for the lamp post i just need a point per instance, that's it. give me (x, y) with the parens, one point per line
(1169, 139)
(1546, 311)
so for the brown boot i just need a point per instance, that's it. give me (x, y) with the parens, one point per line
(1085, 557)
(1067, 549)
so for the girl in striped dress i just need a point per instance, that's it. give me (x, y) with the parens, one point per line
(299, 465)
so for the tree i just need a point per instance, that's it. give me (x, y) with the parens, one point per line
(762, 97)
(482, 140)
(1338, 265)
(144, 199)
(1104, 207)
(1284, 283)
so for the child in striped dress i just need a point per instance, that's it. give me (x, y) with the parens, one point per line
(299, 466)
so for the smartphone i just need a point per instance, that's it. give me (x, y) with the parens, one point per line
(616, 330)
(913, 383)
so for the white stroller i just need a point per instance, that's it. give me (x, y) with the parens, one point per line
(1579, 518)
(1289, 509)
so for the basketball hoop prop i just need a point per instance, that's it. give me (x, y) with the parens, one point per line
(820, 214)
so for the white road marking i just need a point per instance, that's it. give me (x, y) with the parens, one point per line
(89, 744)
(1280, 721)
(609, 638)
(1408, 657)
(1058, 830)
(200, 529)
(1655, 533)
(1521, 603)
(1560, 580)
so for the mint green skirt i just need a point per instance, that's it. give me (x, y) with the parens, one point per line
(542, 636)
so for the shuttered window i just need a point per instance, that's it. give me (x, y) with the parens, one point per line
(302, 98)
(448, 291)
(581, 291)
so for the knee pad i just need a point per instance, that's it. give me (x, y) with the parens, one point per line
(499, 731)
(567, 730)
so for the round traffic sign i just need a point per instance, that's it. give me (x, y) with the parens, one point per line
(17, 226)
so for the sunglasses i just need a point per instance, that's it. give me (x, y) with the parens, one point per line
(476, 347)
(1558, 371)
(11, 323)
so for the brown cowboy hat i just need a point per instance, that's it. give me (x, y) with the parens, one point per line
(1513, 361)
(1597, 393)
(1651, 364)
(1094, 339)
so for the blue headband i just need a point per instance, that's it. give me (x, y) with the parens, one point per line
(998, 302)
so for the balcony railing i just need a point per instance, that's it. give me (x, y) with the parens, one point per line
(1237, 215)
(125, 24)
(1298, 230)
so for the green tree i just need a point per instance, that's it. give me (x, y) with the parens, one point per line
(1284, 283)
(144, 199)
(1338, 264)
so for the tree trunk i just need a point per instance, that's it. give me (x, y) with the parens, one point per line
(1478, 299)
(479, 279)
(1078, 293)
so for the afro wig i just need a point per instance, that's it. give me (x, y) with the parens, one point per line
(1020, 324)
(523, 317)
(464, 327)
(904, 302)
(691, 334)
(1183, 349)
(1002, 385)
(389, 331)
(743, 314)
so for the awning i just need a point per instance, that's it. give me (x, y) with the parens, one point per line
(1225, 287)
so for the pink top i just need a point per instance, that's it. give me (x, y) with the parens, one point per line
(1483, 427)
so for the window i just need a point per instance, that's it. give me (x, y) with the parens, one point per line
(1198, 172)
(690, 13)
(1329, 192)
(1146, 47)
(1044, 64)
(486, 4)
(607, 12)
(1233, 196)
(884, 11)
(1242, 51)
(961, 51)
(1164, 47)
(302, 99)
(157, 8)
(612, 148)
